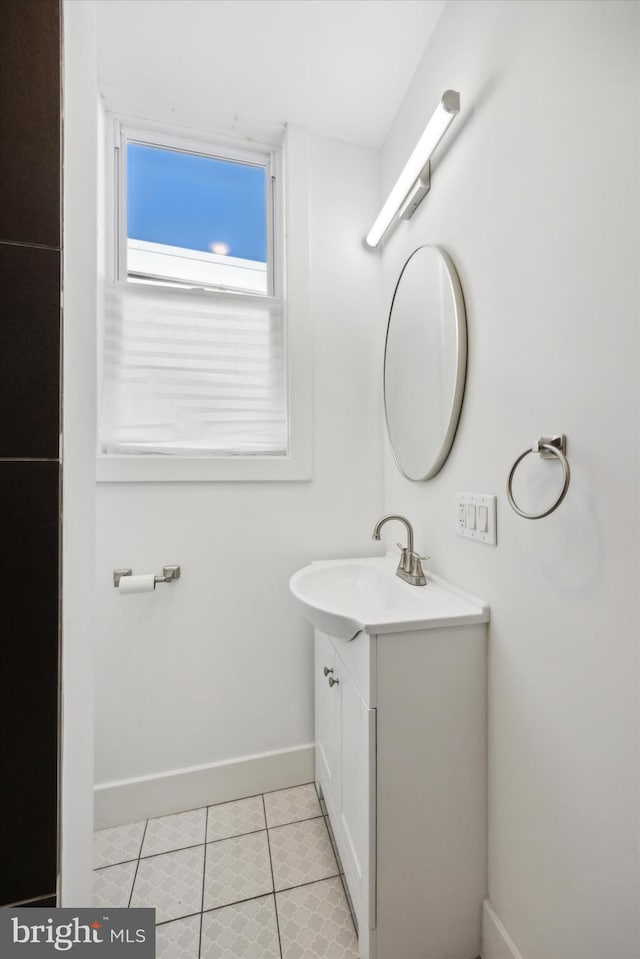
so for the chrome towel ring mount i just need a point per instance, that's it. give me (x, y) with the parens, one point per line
(549, 447)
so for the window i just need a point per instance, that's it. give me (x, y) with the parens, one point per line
(197, 220)
(196, 347)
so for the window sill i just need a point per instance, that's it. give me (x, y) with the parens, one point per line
(199, 469)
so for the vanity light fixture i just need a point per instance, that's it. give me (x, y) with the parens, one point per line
(413, 183)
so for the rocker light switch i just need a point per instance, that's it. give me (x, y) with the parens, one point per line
(471, 516)
(476, 517)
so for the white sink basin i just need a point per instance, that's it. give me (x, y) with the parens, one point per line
(348, 596)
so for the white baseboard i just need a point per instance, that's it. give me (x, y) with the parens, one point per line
(496, 941)
(129, 800)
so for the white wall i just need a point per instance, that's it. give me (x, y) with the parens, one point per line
(78, 529)
(218, 665)
(535, 196)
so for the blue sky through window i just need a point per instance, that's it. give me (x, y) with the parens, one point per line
(194, 202)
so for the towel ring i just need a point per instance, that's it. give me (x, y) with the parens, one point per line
(547, 446)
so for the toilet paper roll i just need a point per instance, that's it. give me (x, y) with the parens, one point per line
(145, 583)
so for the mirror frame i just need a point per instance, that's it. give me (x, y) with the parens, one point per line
(461, 364)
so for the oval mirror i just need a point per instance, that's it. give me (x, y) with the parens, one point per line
(425, 362)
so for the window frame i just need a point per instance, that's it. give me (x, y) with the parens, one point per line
(287, 216)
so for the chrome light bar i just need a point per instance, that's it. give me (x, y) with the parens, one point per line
(414, 178)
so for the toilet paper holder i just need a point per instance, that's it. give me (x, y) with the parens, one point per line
(169, 573)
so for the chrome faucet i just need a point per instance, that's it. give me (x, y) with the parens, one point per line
(410, 565)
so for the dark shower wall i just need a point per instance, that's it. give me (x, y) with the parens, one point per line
(30, 469)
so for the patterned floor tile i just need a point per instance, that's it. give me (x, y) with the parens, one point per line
(237, 869)
(117, 844)
(179, 939)
(112, 886)
(291, 805)
(174, 832)
(171, 883)
(301, 852)
(315, 922)
(247, 930)
(354, 918)
(235, 818)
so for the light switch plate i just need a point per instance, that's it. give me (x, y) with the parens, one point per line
(476, 517)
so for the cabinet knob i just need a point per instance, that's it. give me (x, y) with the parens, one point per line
(332, 681)
(326, 670)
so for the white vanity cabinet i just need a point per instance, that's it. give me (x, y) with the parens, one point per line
(401, 763)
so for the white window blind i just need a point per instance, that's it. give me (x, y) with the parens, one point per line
(192, 373)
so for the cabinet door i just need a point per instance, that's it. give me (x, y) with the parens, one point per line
(357, 810)
(327, 709)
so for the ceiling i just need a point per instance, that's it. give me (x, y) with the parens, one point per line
(339, 67)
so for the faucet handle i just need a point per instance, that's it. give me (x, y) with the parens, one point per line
(405, 557)
(416, 570)
(419, 555)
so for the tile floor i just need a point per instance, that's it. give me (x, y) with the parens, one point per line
(256, 878)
